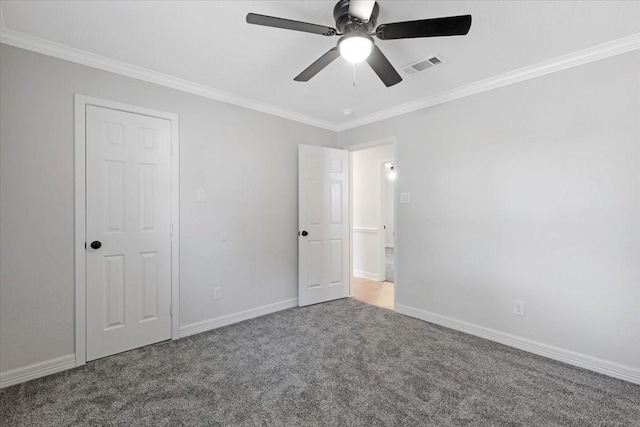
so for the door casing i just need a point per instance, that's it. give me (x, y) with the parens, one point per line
(382, 220)
(80, 103)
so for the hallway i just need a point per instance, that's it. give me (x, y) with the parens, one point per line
(371, 292)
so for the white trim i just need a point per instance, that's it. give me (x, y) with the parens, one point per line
(374, 143)
(81, 101)
(350, 221)
(218, 322)
(368, 275)
(382, 235)
(591, 54)
(365, 230)
(396, 222)
(574, 59)
(605, 367)
(37, 370)
(57, 50)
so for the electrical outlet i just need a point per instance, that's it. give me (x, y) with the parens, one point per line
(518, 307)
(405, 197)
(201, 195)
(217, 293)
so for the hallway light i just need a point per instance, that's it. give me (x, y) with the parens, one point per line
(392, 173)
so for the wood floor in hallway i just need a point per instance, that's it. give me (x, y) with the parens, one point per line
(372, 292)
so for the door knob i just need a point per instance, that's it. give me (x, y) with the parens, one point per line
(304, 233)
(96, 244)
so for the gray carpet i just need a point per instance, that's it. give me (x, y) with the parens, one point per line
(342, 363)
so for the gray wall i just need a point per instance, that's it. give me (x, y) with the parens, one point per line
(529, 192)
(244, 159)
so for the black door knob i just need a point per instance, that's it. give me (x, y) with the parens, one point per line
(304, 233)
(96, 244)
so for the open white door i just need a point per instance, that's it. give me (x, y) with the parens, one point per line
(128, 230)
(323, 224)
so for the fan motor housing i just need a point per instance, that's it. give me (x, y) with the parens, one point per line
(346, 23)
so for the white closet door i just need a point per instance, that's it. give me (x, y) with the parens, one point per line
(128, 220)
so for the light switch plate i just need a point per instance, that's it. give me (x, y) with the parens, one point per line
(200, 195)
(405, 197)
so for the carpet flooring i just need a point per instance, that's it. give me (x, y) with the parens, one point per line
(342, 363)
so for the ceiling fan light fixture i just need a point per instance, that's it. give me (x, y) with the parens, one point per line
(356, 22)
(355, 47)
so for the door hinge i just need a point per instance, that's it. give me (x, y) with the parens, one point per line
(171, 310)
(171, 150)
(171, 230)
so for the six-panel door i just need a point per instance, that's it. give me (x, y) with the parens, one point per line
(129, 212)
(323, 215)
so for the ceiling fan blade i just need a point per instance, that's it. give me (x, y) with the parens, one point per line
(436, 27)
(361, 9)
(318, 66)
(383, 67)
(287, 24)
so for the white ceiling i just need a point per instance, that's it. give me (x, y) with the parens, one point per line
(209, 43)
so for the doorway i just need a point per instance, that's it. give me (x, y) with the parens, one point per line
(373, 224)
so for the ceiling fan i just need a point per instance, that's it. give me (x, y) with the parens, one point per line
(355, 23)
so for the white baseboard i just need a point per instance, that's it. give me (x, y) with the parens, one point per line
(366, 275)
(605, 367)
(626, 373)
(218, 322)
(37, 370)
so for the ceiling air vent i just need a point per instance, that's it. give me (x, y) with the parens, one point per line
(424, 64)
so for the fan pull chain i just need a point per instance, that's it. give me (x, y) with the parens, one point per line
(354, 75)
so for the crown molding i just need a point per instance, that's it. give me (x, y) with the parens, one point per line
(46, 47)
(595, 53)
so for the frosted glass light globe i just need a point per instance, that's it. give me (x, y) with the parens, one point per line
(355, 49)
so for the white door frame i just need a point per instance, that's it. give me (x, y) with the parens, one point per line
(81, 102)
(382, 220)
(394, 142)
